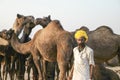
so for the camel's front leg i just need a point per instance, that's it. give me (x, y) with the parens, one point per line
(36, 59)
(63, 68)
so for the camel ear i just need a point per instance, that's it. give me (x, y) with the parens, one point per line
(19, 16)
(49, 16)
(11, 30)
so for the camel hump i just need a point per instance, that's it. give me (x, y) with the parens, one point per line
(105, 29)
(83, 28)
(55, 24)
(56, 21)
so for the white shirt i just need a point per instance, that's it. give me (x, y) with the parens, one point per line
(82, 60)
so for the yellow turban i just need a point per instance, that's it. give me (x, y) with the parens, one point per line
(81, 33)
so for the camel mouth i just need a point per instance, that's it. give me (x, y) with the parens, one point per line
(42, 21)
(31, 19)
(38, 21)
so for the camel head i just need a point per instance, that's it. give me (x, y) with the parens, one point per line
(6, 34)
(3, 34)
(26, 32)
(43, 21)
(22, 21)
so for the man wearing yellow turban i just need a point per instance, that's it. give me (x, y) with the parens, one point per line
(81, 33)
(83, 58)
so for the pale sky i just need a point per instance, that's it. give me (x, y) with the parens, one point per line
(72, 13)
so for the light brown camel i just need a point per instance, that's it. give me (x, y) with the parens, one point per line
(52, 44)
(48, 67)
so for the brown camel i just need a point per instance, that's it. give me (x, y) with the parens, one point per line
(52, 44)
(23, 23)
(48, 67)
(5, 54)
(20, 22)
(105, 43)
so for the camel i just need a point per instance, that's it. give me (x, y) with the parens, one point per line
(19, 24)
(5, 55)
(105, 43)
(52, 46)
(48, 67)
(23, 23)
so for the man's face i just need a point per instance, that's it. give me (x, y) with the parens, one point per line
(81, 40)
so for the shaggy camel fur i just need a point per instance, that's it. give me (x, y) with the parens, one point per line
(52, 44)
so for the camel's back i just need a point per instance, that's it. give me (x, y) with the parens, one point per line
(53, 29)
(102, 36)
(45, 39)
(103, 41)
